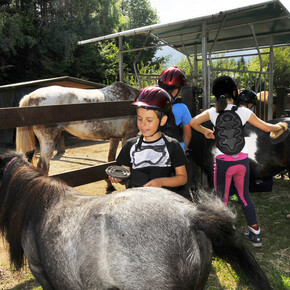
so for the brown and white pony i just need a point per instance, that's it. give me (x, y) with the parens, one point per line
(115, 129)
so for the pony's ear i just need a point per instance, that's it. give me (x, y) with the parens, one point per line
(29, 155)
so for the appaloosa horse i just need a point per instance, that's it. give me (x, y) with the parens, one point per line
(140, 238)
(47, 135)
(266, 159)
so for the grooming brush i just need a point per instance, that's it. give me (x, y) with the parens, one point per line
(279, 136)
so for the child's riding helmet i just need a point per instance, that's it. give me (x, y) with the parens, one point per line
(224, 85)
(247, 97)
(172, 78)
(154, 98)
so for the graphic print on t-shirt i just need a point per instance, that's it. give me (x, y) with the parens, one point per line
(151, 154)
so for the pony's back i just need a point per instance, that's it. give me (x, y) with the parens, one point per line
(156, 239)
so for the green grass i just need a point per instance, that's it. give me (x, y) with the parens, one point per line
(273, 257)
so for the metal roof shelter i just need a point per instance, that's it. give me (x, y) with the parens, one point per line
(263, 25)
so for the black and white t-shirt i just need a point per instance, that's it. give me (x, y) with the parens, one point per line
(152, 159)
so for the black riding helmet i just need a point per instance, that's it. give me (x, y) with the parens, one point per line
(224, 85)
(247, 97)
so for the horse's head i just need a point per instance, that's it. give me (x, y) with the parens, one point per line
(24, 197)
(7, 157)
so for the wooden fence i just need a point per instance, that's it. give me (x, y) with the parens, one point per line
(28, 116)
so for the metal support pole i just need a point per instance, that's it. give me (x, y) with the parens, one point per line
(121, 71)
(195, 80)
(260, 57)
(271, 69)
(205, 95)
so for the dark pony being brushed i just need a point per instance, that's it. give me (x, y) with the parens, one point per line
(140, 238)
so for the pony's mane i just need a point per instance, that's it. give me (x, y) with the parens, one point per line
(25, 195)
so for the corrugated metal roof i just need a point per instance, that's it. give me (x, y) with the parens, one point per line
(228, 30)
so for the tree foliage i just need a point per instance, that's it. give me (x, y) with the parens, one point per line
(281, 68)
(39, 37)
(139, 13)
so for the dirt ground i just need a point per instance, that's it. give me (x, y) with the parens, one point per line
(78, 154)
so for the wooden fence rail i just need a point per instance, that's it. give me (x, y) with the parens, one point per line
(28, 116)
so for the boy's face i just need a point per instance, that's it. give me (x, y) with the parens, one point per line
(148, 122)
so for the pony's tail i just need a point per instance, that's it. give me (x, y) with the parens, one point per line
(217, 221)
(25, 138)
(25, 141)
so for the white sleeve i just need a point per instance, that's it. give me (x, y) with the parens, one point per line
(212, 115)
(244, 114)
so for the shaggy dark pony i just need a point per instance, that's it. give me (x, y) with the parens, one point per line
(140, 238)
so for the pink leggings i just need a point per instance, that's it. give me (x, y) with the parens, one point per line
(238, 170)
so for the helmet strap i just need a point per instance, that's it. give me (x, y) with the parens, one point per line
(158, 129)
(176, 96)
(138, 147)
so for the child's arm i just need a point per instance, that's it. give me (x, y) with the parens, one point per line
(179, 179)
(116, 180)
(186, 136)
(267, 127)
(196, 122)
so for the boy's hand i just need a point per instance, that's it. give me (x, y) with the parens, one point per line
(114, 180)
(154, 183)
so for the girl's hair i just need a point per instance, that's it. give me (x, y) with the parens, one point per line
(221, 103)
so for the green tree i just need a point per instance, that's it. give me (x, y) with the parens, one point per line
(39, 38)
(139, 13)
(281, 66)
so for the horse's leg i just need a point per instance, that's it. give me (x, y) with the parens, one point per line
(47, 137)
(31, 252)
(60, 145)
(40, 276)
(205, 250)
(114, 142)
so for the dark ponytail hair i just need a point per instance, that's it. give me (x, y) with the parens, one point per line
(221, 103)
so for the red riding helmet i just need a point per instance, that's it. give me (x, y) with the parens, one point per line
(172, 78)
(154, 98)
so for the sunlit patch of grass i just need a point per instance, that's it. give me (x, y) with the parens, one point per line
(273, 257)
(286, 281)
